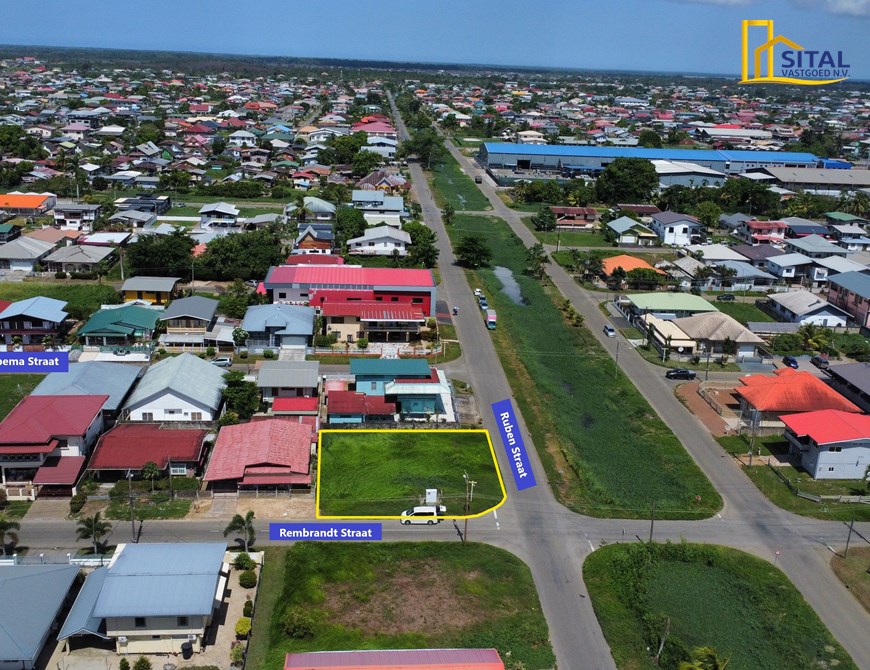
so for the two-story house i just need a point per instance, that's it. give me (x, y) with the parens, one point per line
(761, 232)
(33, 320)
(379, 208)
(850, 291)
(830, 444)
(814, 246)
(219, 214)
(675, 229)
(76, 216)
(288, 379)
(187, 321)
(851, 237)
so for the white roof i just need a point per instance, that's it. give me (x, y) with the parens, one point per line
(684, 167)
(382, 232)
(800, 302)
(716, 252)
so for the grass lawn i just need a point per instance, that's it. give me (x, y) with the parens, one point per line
(13, 387)
(380, 473)
(768, 445)
(852, 571)
(532, 207)
(83, 299)
(744, 312)
(562, 381)
(742, 606)
(451, 184)
(631, 333)
(568, 238)
(15, 509)
(653, 356)
(398, 596)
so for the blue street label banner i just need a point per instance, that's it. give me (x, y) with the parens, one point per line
(332, 532)
(33, 361)
(505, 417)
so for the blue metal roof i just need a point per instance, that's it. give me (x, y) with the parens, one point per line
(39, 308)
(92, 378)
(405, 367)
(81, 619)
(162, 580)
(856, 282)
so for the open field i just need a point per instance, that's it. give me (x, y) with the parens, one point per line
(13, 387)
(587, 424)
(566, 239)
(853, 572)
(398, 596)
(82, 299)
(704, 596)
(743, 312)
(381, 473)
(450, 184)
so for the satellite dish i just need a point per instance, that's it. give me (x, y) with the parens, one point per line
(680, 349)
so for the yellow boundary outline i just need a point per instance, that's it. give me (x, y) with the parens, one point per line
(409, 431)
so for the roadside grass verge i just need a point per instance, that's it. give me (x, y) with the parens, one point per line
(704, 595)
(652, 355)
(381, 473)
(451, 184)
(852, 571)
(587, 425)
(83, 299)
(567, 238)
(13, 387)
(398, 596)
(743, 312)
(147, 509)
(15, 509)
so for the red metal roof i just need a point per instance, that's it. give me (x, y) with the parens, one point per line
(791, 391)
(46, 448)
(776, 225)
(295, 405)
(314, 259)
(39, 419)
(348, 275)
(397, 659)
(827, 426)
(270, 478)
(576, 211)
(273, 442)
(371, 310)
(131, 445)
(63, 470)
(351, 402)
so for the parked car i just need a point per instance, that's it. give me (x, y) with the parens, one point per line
(820, 362)
(425, 514)
(222, 361)
(726, 297)
(680, 373)
(610, 331)
(478, 292)
(478, 179)
(790, 361)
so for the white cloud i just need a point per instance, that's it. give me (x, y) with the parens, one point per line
(850, 7)
(847, 7)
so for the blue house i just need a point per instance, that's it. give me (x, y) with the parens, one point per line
(419, 391)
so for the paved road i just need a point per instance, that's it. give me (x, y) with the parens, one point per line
(748, 520)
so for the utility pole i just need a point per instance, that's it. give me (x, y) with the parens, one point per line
(652, 520)
(169, 470)
(849, 538)
(469, 496)
(132, 515)
(616, 367)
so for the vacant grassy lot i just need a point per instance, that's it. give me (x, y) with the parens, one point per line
(13, 387)
(380, 473)
(398, 596)
(83, 299)
(740, 605)
(568, 238)
(451, 184)
(744, 312)
(587, 425)
(852, 571)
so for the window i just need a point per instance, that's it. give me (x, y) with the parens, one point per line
(374, 386)
(394, 299)
(182, 622)
(147, 416)
(416, 301)
(835, 449)
(179, 470)
(196, 416)
(831, 469)
(139, 622)
(282, 295)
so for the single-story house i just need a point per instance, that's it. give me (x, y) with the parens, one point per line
(179, 388)
(114, 380)
(718, 335)
(79, 258)
(31, 600)
(153, 598)
(27, 204)
(758, 254)
(314, 238)
(33, 319)
(133, 219)
(806, 307)
(274, 326)
(627, 263)
(814, 246)
(830, 444)
(356, 407)
(22, 254)
(9, 232)
(380, 241)
(120, 325)
(268, 453)
(745, 276)
(630, 232)
(156, 290)
(176, 450)
(314, 210)
(665, 305)
(288, 379)
(715, 253)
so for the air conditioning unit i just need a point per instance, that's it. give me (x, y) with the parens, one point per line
(122, 639)
(191, 638)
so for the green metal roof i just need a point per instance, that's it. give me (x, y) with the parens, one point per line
(121, 321)
(842, 216)
(405, 367)
(671, 302)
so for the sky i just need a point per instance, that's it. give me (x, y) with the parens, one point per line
(686, 36)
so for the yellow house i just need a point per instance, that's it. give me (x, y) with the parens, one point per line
(156, 290)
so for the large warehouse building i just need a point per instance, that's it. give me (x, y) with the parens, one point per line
(593, 159)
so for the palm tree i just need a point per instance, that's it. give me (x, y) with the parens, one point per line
(7, 530)
(705, 659)
(93, 528)
(244, 525)
(151, 471)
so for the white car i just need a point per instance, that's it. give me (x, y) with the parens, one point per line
(222, 362)
(478, 292)
(425, 514)
(610, 331)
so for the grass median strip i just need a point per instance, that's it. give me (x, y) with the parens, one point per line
(451, 184)
(606, 452)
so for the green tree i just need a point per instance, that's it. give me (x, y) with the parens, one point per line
(643, 278)
(240, 336)
(235, 302)
(447, 213)
(423, 251)
(708, 214)
(544, 220)
(150, 471)
(627, 180)
(242, 397)
(536, 261)
(241, 256)
(705, 658)
(426, 145)
(16, 143)
(161, 255)
(349, 223)
(93, 528)
(8, 532)
(142, 663)
(244, 526)
(650, 139)
(218, 146)
(473, 252)
(365, 162)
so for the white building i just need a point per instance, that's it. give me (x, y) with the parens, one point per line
(380, 241)
(831, 444)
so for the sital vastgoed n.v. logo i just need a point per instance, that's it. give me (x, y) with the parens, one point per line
(795, 64)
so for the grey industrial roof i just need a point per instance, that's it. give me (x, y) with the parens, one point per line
(815, 244)
(624, 223)
(803, 302)
(382, 232)
(805, 175)
(856, 282)
(150, 284)
(195, 306)
(38, 307)
(162, 580)
(186, 375)
(303, 374)
(25, 248)
(92, 378)
(290, 319)
(745, 270)
(81, 619)
(30, 598)
(220, 207)
(80, 253)
(789, 260)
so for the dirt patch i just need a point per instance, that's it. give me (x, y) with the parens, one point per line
(420, 598)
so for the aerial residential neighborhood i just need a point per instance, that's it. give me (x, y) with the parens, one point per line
(408, 362)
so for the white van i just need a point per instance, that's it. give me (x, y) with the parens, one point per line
(428, 514)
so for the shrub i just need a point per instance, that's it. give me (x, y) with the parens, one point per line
(142, 663)
(362, 343)
(243, 627)
(243, 354)
(244, 562)
(237, 654)
(297, 623)
(60, 274)
(4, 500)
(248, 579)
(209, 351)
(77, 502)
(268, 354)
(124, 664)
(248, 608)
(201, 354)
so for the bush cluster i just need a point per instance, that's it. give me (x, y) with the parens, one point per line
(244, 562)
(248, 579)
